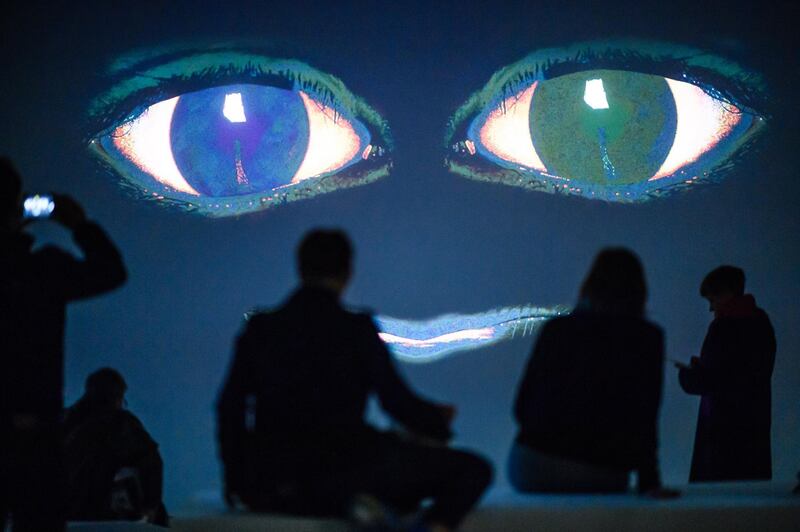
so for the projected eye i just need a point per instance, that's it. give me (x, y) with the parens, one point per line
(607, 134)
(242, 147)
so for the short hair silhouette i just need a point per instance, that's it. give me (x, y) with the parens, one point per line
(615, 283)
(10, 188)
(324, 253)
(105, 387)
(723, 280)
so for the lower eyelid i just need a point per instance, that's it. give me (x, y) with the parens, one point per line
(340, 133)
(721, 124)
(141, 151)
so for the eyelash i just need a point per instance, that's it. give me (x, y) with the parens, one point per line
(744, 93)
(133, 104)
(731, 92)
(110, 111)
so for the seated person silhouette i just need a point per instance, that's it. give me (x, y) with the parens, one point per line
(732, 374)
(291, 412)
(35, 287)
(587, 405)
(114, 469)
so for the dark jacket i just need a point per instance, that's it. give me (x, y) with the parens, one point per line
(591, 392)
(97, 445)
(294, 398)
(35, 288)
(733, 377)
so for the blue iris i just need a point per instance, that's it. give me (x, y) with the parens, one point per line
(220, 157)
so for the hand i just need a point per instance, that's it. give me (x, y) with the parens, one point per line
(448, 412)
(68, 212)
(149, 516)
(662, 493)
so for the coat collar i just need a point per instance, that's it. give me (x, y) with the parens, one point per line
(743, 306)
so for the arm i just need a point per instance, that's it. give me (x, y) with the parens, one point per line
(136, 448)
(691, 380)
(231, 410)
(726, 365)
(101, 269)
(695, 379)
(395, 396)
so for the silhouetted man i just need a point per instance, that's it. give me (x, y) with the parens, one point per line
(35, 288)
(733, 376)
(291, 413)
(114, 469)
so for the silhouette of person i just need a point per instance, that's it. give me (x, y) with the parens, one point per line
(587, 405)
(732, 374)
(291, 412)
(114, 470)
(35, 287)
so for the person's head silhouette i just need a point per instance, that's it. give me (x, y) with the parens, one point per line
(721, 285)
(615, 283)
(10, 194)
(105, 389)
(324, 258)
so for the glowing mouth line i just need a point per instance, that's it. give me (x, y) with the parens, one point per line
(429, 340)
(422, 341)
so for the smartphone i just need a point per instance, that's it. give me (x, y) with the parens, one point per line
(38, 206)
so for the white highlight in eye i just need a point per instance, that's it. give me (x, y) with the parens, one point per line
(233, 109)
(702, 122)
(145, 141)
(595, 94)
(506, 133)
(332, 141)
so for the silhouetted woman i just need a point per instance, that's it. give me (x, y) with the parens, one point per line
(587, 407)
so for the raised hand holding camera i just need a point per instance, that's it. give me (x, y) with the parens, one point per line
(68, 212)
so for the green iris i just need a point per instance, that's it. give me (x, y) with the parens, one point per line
(625, 143)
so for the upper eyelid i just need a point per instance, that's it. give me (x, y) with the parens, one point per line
(152, 77)
(538, 64)
(319, 83)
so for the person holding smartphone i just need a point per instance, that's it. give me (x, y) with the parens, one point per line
(733, 377)
(35, 288)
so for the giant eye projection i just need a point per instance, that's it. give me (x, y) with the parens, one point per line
(624, 132)
(225, 133)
